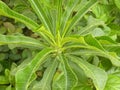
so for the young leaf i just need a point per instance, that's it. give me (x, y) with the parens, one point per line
(46, 34)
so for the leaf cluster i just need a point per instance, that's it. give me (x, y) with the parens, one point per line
(60, 45)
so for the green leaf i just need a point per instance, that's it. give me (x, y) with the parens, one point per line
(82, 78)
(45, 83)
(113, 83)
(117, 2)
(83, 87)
(30, 14)
(70, 5)
(73, 39)
(93, 42)
(107, 39)
(92, 23)
(82, 11)
(6, 11)
(102, 11)
(83, 83)
(112, 56)
(4, 80)
(3, 87)
(59, 82)
(46, 34)
(70, 76)
(19, 41)
(9, 88)
(59, 13)
(90, 45)
(98, 75)
(1, 67)
(97, 32)
(68, 80)
(27, 71)
(9, 26)
(41, 13)
(2, 56)
(105, 64)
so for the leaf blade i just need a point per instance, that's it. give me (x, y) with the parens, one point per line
(36, 5)
(98, 75)
(6, 11)
(45, 83)
(68, 80)
(19, 40)
(23, 83)
(79, 15)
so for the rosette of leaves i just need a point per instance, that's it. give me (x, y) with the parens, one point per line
(66, 55)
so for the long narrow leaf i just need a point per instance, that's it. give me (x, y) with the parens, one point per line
(46, 34)
(59, 14)
(45, 83)
(67, 13)
(20, 41)
(6, 11)
(70, 80)
(110, 55)
(36, 5)
(79, 15)
(98, 75)
(22, 83)
(90, 43)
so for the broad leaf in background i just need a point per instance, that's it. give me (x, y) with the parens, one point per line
(102, 11)
(92, 23)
